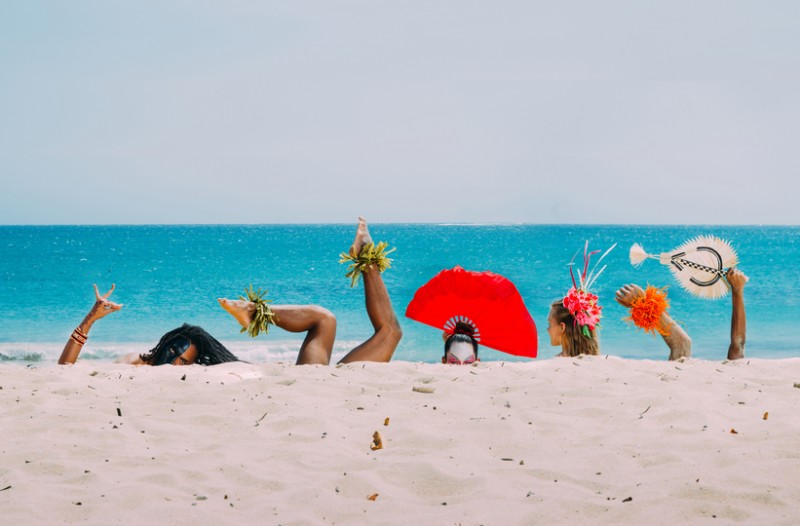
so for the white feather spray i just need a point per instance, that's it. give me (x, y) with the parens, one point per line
(699, 265)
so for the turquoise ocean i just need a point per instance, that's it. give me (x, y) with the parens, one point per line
(167, 275)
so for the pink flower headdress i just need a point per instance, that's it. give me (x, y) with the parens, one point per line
(579, 301)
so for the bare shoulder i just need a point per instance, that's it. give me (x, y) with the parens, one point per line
(131, 358)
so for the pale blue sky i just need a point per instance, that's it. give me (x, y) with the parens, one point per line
(317, 111)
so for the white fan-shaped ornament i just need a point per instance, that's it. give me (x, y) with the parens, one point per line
(699, 265)
(450, 326)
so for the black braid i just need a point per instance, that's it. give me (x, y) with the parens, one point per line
(209, 350)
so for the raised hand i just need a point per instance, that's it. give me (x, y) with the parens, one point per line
(737, 279)
(627, 293)
(102, 305)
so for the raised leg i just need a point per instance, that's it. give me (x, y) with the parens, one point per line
(318, 323)
(381, 345)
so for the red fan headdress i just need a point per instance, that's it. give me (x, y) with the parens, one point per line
(489, 302)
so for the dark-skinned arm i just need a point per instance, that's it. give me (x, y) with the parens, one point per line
(102, 307)
(737, 281)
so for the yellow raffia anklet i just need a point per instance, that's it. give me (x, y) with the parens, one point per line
(263, 317)
(371, 254)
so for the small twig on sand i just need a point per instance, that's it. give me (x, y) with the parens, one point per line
(262, 418)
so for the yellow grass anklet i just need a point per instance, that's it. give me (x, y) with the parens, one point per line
(371, 254)
(263, 317)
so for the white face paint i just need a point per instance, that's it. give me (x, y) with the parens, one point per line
(462, 351)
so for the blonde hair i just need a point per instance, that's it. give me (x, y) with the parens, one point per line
(573, 341)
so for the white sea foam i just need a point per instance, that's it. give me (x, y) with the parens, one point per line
(272, 351)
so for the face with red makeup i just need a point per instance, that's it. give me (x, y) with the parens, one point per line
(460, 349)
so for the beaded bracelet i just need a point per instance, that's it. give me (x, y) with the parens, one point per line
(78, 336)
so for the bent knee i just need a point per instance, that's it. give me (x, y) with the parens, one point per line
(325, 318)
(393, 332)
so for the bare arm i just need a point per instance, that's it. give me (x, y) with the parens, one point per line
(131, 358)
(102, 306)
(737, 281)
(679, 343)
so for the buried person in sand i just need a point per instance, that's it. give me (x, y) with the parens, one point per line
(182, 346)
(679, 343)
(574, 320)
(190, 344)
(571, 328)
(460, 346)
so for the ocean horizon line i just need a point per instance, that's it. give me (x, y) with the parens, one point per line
(410, 223)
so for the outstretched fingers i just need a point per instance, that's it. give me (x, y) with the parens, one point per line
(111, 306)
(106, 295)
(103, 305)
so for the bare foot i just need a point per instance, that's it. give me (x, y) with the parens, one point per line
(628, 293)
(242, 310)
(362, 237)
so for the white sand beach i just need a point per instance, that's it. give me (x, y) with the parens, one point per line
(560, 441)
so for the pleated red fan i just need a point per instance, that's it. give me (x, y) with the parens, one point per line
(487, 301)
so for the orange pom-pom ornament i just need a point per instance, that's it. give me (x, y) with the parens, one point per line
(646, 310)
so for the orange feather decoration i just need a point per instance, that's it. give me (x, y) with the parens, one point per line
(646, 311)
